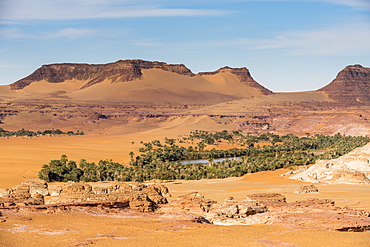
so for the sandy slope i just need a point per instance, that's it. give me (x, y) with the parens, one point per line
(155, 86)
(162, 86)
(263, 103)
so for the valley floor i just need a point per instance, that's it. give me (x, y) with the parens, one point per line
(22, 158)
(130, 228)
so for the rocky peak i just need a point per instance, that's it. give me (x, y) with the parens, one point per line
(243, 75)
(120, 71)
(351, 86)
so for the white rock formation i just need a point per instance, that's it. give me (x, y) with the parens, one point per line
(352, 168)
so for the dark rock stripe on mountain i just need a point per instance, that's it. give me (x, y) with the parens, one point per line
(120, 71)
(351, 86)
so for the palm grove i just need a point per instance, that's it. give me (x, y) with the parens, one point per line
(162, 161)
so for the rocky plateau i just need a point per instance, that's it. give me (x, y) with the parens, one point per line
(352, 168)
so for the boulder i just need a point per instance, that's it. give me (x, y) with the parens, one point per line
(192, 203)
(142, 203)
(307, 189)
(232, 208)
(267, 197)
(4, 192)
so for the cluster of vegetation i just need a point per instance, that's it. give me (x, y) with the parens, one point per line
(23, 132)
(163, 161)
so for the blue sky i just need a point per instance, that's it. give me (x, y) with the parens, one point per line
(288, 45)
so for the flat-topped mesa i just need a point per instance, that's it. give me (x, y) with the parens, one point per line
(243, 75)
(351, 86)
(120, 71)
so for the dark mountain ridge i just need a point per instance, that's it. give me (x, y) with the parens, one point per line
(120, 71)
(351, 86)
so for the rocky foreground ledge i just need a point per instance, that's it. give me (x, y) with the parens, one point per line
(265, 208)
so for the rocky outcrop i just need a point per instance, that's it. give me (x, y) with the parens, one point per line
(313, 214)
(30, 192)
(351, 86)
(144, 198)
(120, 71)
(316, 214)
(243, 75)
(271, 208)
(191, 203)
(267, 197)
(140, 196)
(352, 168)
(232, 211)
(307, 189)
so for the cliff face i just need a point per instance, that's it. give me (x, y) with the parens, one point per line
(243, 75)
(351, 86)
(120, 71)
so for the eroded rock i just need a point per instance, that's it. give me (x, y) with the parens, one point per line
(144, 198)
(192, 203)
(267, 197)
(307, 189)
(352, 168)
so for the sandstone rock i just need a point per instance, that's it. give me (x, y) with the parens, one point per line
(307, 189)
(316, 214)
(123, 70)
(157, 193)
(36, 186)
(352, 177)
(55, 190)
(21, 198)
(140, 196)
(351, 86)
(221, 213)
(4, 192)
(313, 214)
(192, 203)
(159, 188)
(120, 195)
(267, 197)
(142, 203)
(243, 75)
(352, 168)
(77, 188)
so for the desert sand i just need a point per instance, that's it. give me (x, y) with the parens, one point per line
(23, 157)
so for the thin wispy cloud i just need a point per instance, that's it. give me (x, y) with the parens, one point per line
(11, 33)
(353, 3)
(70, 33)
(73, 33)
(82, 9)
(346, 40)
(365, 4)
(350, 39)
